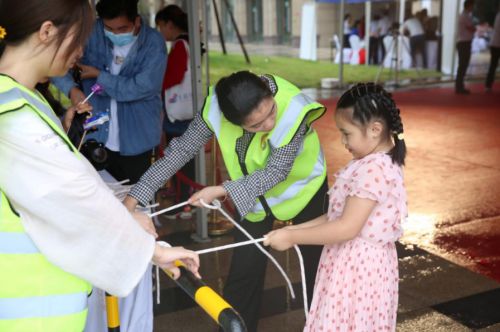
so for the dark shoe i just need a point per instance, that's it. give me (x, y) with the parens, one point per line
(462, 92)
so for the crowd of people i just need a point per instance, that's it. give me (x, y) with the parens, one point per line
(62, 231)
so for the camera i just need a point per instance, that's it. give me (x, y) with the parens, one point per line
(96, 153)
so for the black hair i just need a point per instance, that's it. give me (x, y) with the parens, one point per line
(239, 94)
(110, 9)
(22, 20)
(468, 4)
(174, 14)
(370, 101)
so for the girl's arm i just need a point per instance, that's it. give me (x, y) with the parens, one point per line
(356, 213)
(311, 223)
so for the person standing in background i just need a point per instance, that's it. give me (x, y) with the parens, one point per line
(495, 52)
(465, 35)
(413, 28)
(176, 90)
(127, 58)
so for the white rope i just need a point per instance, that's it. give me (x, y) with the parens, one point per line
(167, 209)
(229, 246)
(217, 206)
(157, 271)
(303, 278)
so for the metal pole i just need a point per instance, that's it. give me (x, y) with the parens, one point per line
(341, 62)
(455, 35)
(221, 35)
(237, 32)
(197, 92)
(368, 16)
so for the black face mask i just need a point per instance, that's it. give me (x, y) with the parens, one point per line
(96, 153)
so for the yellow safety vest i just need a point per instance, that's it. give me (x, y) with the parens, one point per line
(35, 295)
(308, 172)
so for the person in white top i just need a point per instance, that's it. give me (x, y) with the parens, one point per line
(64, 207)
(494, 51)
(347, 30)
(412, 27)
(384, 25)
(465, 34)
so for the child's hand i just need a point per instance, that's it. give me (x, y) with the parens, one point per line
(279, 239)
(165, 257)
(145, 222)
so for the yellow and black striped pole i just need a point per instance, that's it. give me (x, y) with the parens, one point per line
(112, 312)
(213, 304)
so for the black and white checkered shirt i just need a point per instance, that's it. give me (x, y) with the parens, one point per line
(243, 191)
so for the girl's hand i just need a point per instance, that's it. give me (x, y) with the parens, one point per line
(280, 239)
(145, 222)
(208, 194)
(71, 111)
(165, 257)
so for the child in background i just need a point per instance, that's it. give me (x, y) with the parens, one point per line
(356, 286)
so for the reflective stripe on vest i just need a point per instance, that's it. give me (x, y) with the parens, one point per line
(43, 306)
(35, 295)
(16, 96)
(16, 243)
(295, 187)
(289, 197)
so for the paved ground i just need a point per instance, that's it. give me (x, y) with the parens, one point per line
(450, 254)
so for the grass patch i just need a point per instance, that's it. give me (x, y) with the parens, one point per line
(303, 73)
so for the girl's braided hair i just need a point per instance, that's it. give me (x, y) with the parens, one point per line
(370, 101)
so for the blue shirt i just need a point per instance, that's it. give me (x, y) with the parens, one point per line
(137, 89)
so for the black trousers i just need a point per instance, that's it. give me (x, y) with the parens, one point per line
(128, 167)
(495, 54)
(464, 50)
(374, 50)
(417, 46)
(245, 282)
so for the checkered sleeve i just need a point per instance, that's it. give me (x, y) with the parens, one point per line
(245, 190)
(180, 150)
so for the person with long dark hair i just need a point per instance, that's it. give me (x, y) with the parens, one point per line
(61, 229)
(277, 171)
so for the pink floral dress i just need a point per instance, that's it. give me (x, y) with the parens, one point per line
(356, 286)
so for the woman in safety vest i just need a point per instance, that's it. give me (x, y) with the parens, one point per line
(61, 228)
(275, 162)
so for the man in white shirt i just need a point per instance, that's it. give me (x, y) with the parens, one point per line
(413, 28)
(494, 51)
(465, 35)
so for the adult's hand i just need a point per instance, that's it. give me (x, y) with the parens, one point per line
(145, 222)
(71, 111)
(76, 96)
(165, 258)
(88, 71)
(130, 203)
(207, 194)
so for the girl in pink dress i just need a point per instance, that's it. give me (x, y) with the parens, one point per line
(357, 281)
